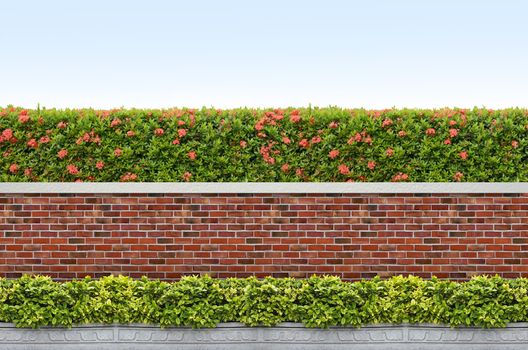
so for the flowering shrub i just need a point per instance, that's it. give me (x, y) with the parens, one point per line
(306, 144)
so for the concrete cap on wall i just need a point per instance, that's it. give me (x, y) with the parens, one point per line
(263, 187)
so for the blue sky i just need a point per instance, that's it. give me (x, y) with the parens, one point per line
(373, 54)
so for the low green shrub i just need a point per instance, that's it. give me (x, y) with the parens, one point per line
(33, 301)
(290, 145)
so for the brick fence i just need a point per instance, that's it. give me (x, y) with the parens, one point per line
(226, 235)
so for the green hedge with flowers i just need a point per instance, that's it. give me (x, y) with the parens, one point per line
(262, 145)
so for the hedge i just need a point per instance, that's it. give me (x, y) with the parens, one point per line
(306, 144)
(316, 301)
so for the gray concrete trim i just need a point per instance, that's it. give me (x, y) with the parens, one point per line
(287, 336)
(263, 187)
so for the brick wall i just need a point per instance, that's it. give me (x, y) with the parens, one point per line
(226, 235)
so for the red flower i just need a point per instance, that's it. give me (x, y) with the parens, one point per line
(23, 118)
(130, 133)
(187, 176)
(7, 134)
(265, 152)
(32, 143)
(286, 140)
(28, 172)
(62, 125)
(243, 144)
(304, 143)
(285, 167)
(515, 144)
(13, 168)
(99, 165)
(62, 153)
(333, 153)
(447, 142)
(72, 169)
(159, 132)
(430, 131)
(386, 122)
(463, 155)
(176, 142)
(402, 133)
(333, 125)
(192, 155)
(118, 152)
(129, 177)
(389, 152)
(453, 132)
(181, 122)
(269, 160)
(452, 122)
(400, 177)
(343, 169)
(355, 138)
(44, 139)
(295, 118)
(316, 139)
(182, 132)
(458, 176)
(115, 122)
(371, 165)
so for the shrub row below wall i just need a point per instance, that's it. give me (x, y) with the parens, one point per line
(307, 144)
(316, 302)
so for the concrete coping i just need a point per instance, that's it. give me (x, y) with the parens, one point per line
(264, 187)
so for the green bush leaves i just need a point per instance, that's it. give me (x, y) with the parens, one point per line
(264, 145)
(33, 301)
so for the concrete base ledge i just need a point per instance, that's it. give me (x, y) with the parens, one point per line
(287, 336)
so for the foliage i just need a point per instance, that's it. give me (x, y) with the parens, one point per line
(33, 301)
(290, 145)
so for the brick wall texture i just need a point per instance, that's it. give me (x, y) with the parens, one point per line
(236, 235)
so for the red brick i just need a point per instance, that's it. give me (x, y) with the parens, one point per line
(351, 235)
